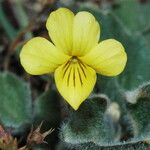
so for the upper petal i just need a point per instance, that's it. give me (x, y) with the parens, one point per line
(59, 25)
(75, 82)
(86, 32)
(107, 58)
(39, 56)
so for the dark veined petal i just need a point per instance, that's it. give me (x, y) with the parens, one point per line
(75, 81)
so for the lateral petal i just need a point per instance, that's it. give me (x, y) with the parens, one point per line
(75, 81)
(39, 56)
(107, 58)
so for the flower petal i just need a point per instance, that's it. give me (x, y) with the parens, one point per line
(107, 58)
(39, 56)
(86, 32)
(59, 25)
(75, 81)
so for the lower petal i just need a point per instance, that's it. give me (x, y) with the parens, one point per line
(75, 81)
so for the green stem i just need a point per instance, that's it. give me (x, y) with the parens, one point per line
(9, 29)
(24, 148)
(21, 16)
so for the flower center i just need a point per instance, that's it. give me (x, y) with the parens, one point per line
(74, 70)
(74, 59)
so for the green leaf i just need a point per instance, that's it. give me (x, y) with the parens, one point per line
(137, 48)
(136, 72)
(15, 100)
(134, 15)
(139, 105)
(46, 107)
(89, 124)
(91, 146)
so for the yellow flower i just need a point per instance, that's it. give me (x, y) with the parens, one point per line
(76, 55)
